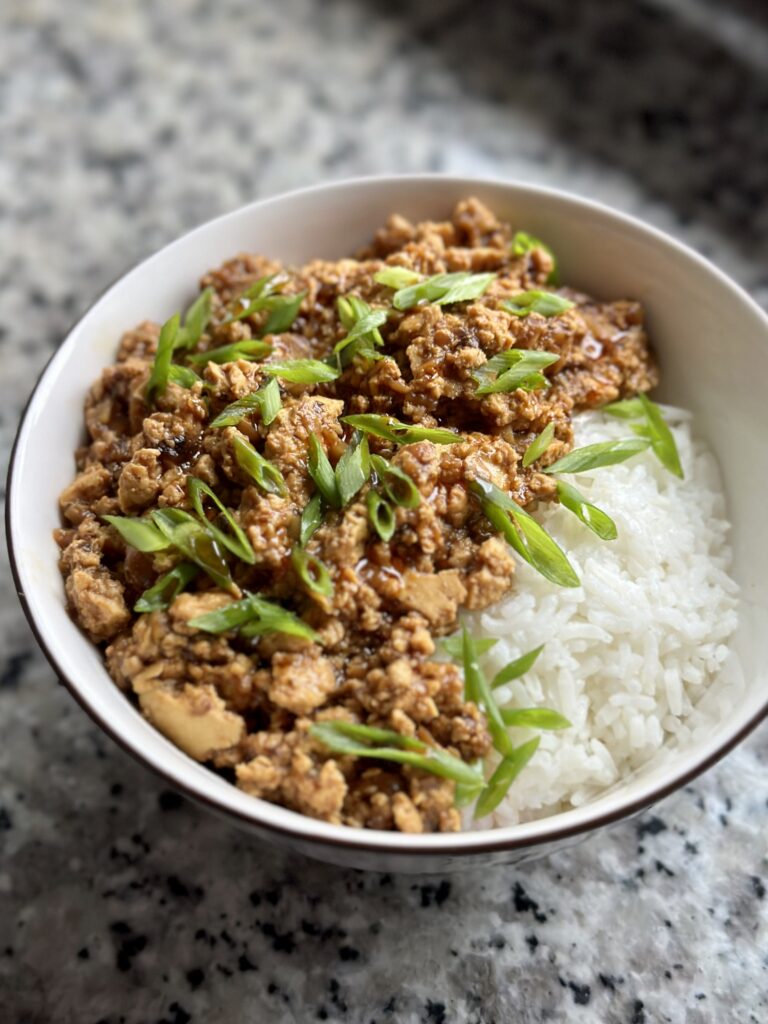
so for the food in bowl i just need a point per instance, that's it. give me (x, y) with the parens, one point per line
(287, 498)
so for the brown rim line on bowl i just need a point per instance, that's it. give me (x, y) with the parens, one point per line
(712, 340)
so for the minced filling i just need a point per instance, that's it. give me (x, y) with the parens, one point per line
(373, 572)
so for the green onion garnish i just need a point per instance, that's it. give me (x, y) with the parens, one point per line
(604, 453)
(311, 518)
(443, 289)
(454, 645)
(381, 515)
(283, 310)
(266, 400)
(506, 773)
(312, 572)
(545, 303)
(253, 616)
(513, 369)
(478, 690)
(182, 375)
(321, 471)
(599, 522)
(158, 378)
(362, 323)
(195, 542)
(516, 668)
(534, 718)
(140, 533)
(660, 436)
(625, 409)
(353, 468)
(236, 541)
(524, 534)
(163, 593)
(396, 277)
(196, 319)
(539, 445)
(260, 470)
(249, 349)
(352, 740)
(302, 371)
(398, 432)
(523, 243)
(257, 295)
(397, 485)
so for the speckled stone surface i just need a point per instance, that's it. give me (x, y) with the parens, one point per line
(121, 125)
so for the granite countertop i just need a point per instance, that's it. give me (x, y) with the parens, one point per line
(122, 125)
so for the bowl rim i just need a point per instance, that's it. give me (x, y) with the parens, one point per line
(301, 827)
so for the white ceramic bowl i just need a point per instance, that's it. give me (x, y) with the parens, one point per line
(713, 346)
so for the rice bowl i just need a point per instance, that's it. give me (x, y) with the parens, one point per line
(658, 268)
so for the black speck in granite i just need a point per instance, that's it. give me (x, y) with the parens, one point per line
(128, 945)
(524, 904)
(195, 977)
(435, 894)
(651, 827)
(581, 993)
(434, 1012)
(637, 1012)
(758, 887)
(6, 821)
(168, 800)
(12, 671)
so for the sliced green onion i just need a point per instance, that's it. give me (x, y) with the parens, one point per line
(253, 616)
(283, 310)
(539, 445)
(196, 543)
(312, 572)
(158, 378)
(516, 668)
(523, 243)
(249, 349)
(524, 534)
(398, 432)
(535, 301)
(443, 289)
(196, 319)
(163, 593)
(478, 690)
(604, 453)
(505, 774)
(140, 533)
(266, 400)
(256, 296)
(396, 277)
(321, 471)
(260, 470)
(381, 515)
(311, 518)
(515, 368)
(626, 409)
(366, 741)
(599, 522)
(398, 486)
(236, 541)
(353, 468)
(302, 371)
(464, 794)
(454, 645)
(182, 375)
(534, 718)
(662, 441)
(362, 323)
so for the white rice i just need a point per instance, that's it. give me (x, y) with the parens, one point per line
(629, 654)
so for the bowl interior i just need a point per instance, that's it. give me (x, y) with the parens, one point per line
(712, 344)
